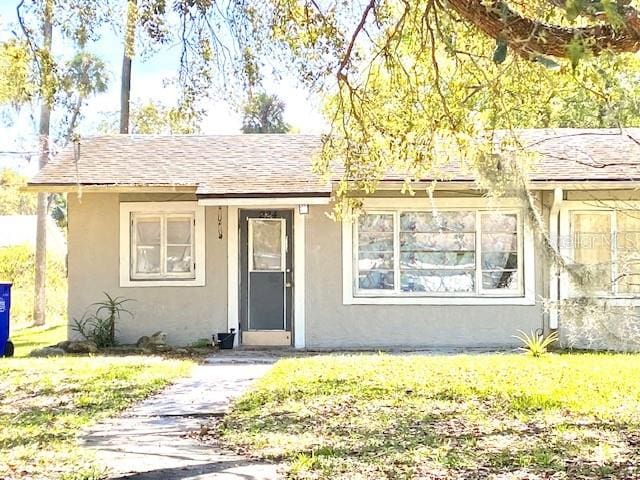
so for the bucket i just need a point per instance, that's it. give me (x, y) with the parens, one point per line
(225, 340)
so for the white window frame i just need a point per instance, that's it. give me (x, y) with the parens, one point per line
(525, 295)
(129, 211)
(566, 249)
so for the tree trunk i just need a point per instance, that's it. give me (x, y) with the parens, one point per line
(39, 307)
(125, 89)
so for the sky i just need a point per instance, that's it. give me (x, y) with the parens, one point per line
(17, 133)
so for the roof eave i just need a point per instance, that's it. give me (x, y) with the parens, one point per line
(105, 188)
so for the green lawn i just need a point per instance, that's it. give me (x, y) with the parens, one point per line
(446, 417)
(27, 339)
(45, 402)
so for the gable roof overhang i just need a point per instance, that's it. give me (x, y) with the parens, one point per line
(281, 166)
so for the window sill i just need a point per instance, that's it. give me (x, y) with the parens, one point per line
(127, 283)
(389, 300)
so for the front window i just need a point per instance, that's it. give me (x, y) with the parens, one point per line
(608, 244)
(465, 252)
(162, 246)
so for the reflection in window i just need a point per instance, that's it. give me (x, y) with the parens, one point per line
(608, 243)
(375, 252)
(444, 252)
(437, 251)
(266, 236)
(499, 246)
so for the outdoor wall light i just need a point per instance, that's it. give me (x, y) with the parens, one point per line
(303, 209)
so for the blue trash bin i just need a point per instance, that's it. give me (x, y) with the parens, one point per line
(6, 347)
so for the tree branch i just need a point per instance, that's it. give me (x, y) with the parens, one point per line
(347, 54)
(529, 37)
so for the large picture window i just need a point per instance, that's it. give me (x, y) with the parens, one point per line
(162, 244)
(458, 252)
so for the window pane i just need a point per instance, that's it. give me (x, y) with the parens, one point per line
(179, 231)
(267, 244)
(148, 231)
(437, 251)
(375, 280)
(429, 260)
(437, 241)
(437, 222)
(500, 261)
(375, 261)
(148, 245)
(499, 222)
(375, 222)
(506, 279)
(628, 245)
(375, 251)
(179, 259)
(437, 281)
(375, 242)
(148, 259)
(592, 245)
(499, 244)
(592, 233)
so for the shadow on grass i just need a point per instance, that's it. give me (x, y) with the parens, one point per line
(461, 442)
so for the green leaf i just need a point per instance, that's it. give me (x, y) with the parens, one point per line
(500, 53)
(576, 52)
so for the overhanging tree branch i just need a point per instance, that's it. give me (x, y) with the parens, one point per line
(529, 37)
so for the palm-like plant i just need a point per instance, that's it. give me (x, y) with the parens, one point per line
(536, 344)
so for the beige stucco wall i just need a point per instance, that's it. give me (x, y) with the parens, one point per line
(185, 313)
(330, 323)
(189, 313)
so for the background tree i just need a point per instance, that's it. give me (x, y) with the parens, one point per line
(154, 117)
(264, 113)
(78, 22)
(15, 82)
(12, 200)
(83, 76)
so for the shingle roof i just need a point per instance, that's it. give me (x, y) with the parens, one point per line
(216, 164)
(228, 165)
(572, 154)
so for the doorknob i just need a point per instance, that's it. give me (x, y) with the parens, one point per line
(288, 284)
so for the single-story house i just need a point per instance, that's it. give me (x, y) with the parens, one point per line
(211, 233)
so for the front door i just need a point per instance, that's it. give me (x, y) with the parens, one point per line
(266, 246)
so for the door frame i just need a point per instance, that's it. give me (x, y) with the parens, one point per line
(285, 219)
(233, 269)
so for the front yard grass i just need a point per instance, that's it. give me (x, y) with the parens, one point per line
(508, 416)
(30, 338)
(44, 402)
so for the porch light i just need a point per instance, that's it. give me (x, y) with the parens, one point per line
(303, 209)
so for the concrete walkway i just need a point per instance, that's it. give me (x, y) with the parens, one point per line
(150, 440)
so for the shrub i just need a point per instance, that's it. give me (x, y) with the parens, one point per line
(17, 264)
